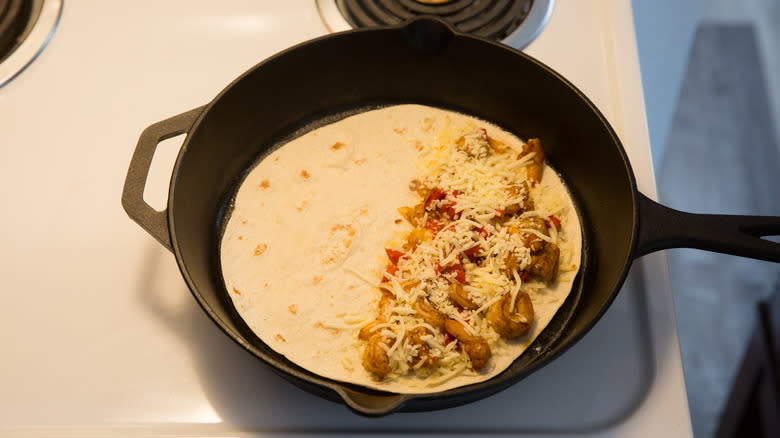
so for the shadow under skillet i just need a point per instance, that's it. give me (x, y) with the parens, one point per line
(248, 396)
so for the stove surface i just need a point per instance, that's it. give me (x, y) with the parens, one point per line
(102, 336)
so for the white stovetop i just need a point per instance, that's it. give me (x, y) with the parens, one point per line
(100, 335)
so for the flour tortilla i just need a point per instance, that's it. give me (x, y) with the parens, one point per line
(302, 251)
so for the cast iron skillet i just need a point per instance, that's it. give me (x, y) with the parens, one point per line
(427, 62)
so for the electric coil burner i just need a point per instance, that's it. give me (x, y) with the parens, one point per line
(493, 19)
(25, 28)
(14, 16)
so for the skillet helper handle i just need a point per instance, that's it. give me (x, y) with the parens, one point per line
(153, 221)
(662, 227)
(370, 405)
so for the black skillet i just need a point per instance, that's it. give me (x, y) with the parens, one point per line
(427, 62)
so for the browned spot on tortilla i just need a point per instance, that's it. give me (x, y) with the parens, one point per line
(293, 308)
(260, 249)
(276, 158)
(360, 161)
(427, 124)
(338, 145)
(265, 285)
(320, 325)
(302, 206)
(351, 286)
(305, 174)
(399, 130)
(240, 237)
(280, 338)
(363, 211)
(419, 145)
(264, 184)
(236, 291)
(398, 221)
(317, 279)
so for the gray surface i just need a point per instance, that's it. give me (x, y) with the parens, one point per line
(765, 16)
(721, 157)
(664, 34)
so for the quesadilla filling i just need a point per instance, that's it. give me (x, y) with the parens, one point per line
(461, 281)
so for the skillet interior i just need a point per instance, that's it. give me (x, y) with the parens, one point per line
(423, 62)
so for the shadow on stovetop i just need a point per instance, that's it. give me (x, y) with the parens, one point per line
(248, 396)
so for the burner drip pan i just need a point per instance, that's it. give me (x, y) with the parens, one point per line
(492, 19)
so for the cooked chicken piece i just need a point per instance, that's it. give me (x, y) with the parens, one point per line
(545, 263)
(375, 358)
(531, 240)
(511, 322)
(368, 330)
(422, 353)
(413, 215)
(526, 203)
(475, 346)
(415, 237)
(461, 297)
(425, 311)
(536, 166)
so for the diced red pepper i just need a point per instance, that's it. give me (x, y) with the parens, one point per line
(460, 275)
(554, 221)
(434, 225)
(457, 268)
(437, 268)
(435, 195)
(392, 269)
(472, 252)
(501, 212)
(448, 338)
(483, 231)
(450, 226)
(455, 193)
(394, 255)
(449, 209)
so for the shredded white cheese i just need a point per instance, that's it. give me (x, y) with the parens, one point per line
(471, 191)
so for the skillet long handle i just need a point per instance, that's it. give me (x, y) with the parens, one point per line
(153, 221)
(662, 227)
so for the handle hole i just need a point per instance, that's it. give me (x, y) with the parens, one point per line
(160, 172)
